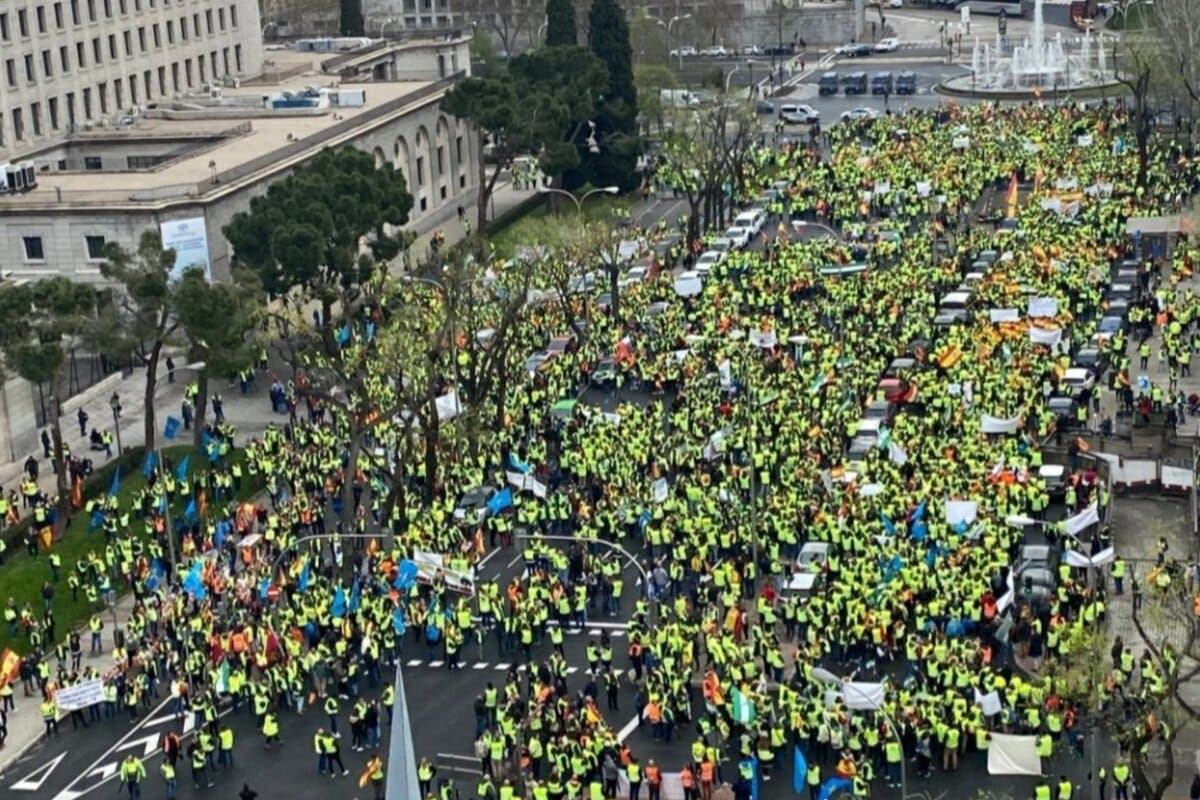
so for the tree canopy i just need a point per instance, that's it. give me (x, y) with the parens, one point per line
(616, 124)
(560, 23)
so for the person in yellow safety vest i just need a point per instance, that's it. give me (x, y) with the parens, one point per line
(813, 779)
(375, 773)
(1121, 781)
(225, 753)
(508, 791)
(425, 775)
(1042, 791)
(133, 772)
(1065, 788)
(50, 716)
(270, 729)
(167, 770)
(860, 787)
(1118, 574)
(1045, 746)
(633, 772)
(894, 754)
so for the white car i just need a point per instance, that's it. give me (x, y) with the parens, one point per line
(862, 112)
(751, 50)
(739, 236)
(1078, 379)
(889, 45)
(686, 50)
(754, 219)
(716, 51)
(799, 114)
(707, 261)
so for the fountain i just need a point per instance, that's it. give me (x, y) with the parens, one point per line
(1035, 65)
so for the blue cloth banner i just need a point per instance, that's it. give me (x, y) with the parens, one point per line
(518, 464)
(398, 622)
(172, 428)
(918, 513)
(263, 586)
(221, 532)
(920, 530)
(116, 482)
(501, 500)
(182, 471)
(338, 607)
(888, 525)
(834, 785)
(96, 522)
(193, 584)
(189, 513)
(151, 461)
(406, 575)
(355, 596)
(305, 576)
(343, 334)
(799, 770)
(432, 632)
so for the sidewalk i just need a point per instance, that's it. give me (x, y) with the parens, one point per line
(250, 415)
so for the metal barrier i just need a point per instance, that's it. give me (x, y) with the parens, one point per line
(453, 769)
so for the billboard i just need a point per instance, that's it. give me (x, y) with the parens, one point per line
(189, 239)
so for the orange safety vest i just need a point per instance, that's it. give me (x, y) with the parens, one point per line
(707, 769)
(653, 776)
(686, 779)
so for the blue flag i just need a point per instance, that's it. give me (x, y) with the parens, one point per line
(162, 504)
(888, 525)
(370, 331)
(305, 576)
(189, 513)
(172, 428)
(263, 586)
(406, 575)
(343, 334)
(151, 461)
(833, 785)
(116, 482)
(518, 464)
(97, 521)
(799, 770)
(182, 472)
(919, 513)
(398, 622)
(355, 596)
(193, 584)
(338, 607)
(500, 501)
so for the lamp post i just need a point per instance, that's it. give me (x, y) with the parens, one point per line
(195, 366)
(578, 200)
(114, 403)
(383, 25)
(668, 25)
(730, 75)
(825, 676)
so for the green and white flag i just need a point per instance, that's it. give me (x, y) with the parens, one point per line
(743, 707)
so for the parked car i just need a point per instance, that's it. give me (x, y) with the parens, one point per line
(604, 373)
(707, 261)
(1093, 359)
(739, 235)
(716, 51)
(751, 50)
(472, 507)
(854, 83)
(889, 45)
(764, 107)
(754, 219)
(685, 51)
(854, 50)
(799, 114)
(861, 112)
(828, 84)
(1078, 379)
(881, 83)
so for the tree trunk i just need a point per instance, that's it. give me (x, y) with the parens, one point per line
(431, 434)
(614, 277)
(201, 407)
(62, 479)
(148, 399)
(356, 437)
(501, 395)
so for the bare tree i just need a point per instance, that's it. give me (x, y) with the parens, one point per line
(1140, 63)
(509, 20)
(1176, 27)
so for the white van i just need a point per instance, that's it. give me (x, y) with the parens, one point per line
(688, 284)
(754, 219)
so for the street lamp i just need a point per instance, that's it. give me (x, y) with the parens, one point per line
(578, 200)
(114, 403)
(195, 366)
(825, 676)
(730, 75)
(668, 25)
(384, 24)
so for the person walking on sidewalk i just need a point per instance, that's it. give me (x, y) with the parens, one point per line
(50, 716)
(82, 416)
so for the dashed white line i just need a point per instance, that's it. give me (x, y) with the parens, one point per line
(434, 664)
(416, 662)
(500, 667)
(481, 665)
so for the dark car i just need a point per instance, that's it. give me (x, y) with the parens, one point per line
(1064, 409)
(906, 83)
(764, 107)
(860, 50)
(881, 83)
(828, 84)
(1092, 359)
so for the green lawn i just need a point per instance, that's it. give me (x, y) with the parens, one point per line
(21, 576)
(506, 238)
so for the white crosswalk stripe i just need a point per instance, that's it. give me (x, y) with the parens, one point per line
(572, 670)
(435, 664)
(416, 662)
(481, 665)
(500, 667)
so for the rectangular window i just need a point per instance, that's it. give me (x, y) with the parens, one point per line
(200, 65)
(71, 109)
(122, 7)
(87, 103)
(147, 86)
(33, 248)
(35, 118)
(74, 12)
(40, 15)
(58, 16)
(80, 61)
(187, 71)
(208, 21)
(112, 46)
(23, 23)
(18, 125)
(64, 58)
(29, 67)
(175, 77)
(47, 63)
(137, 6)
(118, 95)
(170, 32)
(196, 25)
(157, 36)
(221, 18)
(225, 60)
(237, 56)
(107, 8)
(52, 110)
(458, 151)
(420, 170)
(92, 11)
(127, 36)
(10, 71)
(142, 40)
(162, 81)
(103, 89)
(97, 53)
(183, 28)
(93, 163)
(233, 16)
(95, 247)
(133, 93)
(4, 27)
(441, 158)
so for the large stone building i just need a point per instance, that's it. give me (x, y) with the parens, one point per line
(185, 165)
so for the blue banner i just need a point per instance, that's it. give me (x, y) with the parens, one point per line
(338, 607)
(518, 464)
(116, 482)
(799, 770)
(148, 467)
(500, 500)
(406, 575)
(182, 471)
(355, 596)
(172, 428)
(305, 576)
(834, 785)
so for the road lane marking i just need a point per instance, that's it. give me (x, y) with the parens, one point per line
(416, 662)
(501, 666)
(28, 784)
(487, 558)
(434, 664)
(629, 728)
(481, 665)
(572, 670)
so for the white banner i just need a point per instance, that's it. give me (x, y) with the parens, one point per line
(659, 488)
(961, 511)
(1013, 755)
(858, 696)
(897, 454)
(989, 703)
(1004, 315)
(1103, 558)
(1043, 307)
(763, 338)
(448, 406)
(81, 695)
(1176, 477)
(1079, 522)
(526, 483)
(724, 370)
(990, 424)
(1050, 338)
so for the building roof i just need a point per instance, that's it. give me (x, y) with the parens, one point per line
(254, 143)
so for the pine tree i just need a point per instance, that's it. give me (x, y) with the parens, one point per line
(350, 22)
(616, 126)
(560, 23)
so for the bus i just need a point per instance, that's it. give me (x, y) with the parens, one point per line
(1010, 8)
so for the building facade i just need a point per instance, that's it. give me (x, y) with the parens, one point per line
(72, 63)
